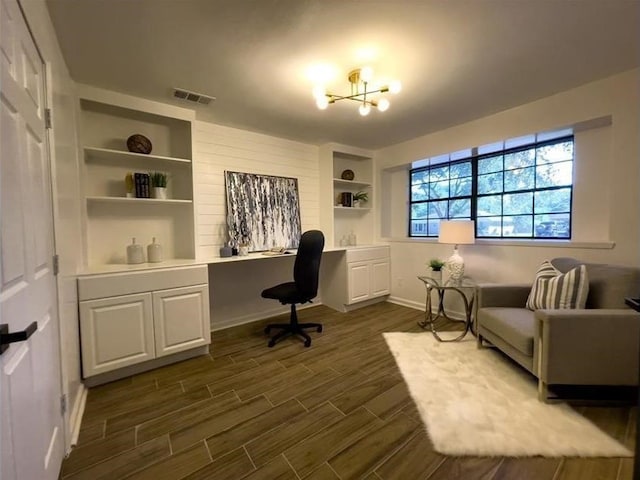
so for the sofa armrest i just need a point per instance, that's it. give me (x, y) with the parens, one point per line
(503, 295)
(588, 346)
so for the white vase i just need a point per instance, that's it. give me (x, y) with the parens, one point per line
(160, 193)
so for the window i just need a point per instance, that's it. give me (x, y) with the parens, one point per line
(520, 188)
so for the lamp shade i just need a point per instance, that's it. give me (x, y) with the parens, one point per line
(458, 232)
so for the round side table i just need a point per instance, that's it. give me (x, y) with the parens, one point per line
(432, 284)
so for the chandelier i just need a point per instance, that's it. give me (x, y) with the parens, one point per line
(359, 80)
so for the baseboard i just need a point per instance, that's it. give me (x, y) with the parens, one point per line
(75, 417)
(406, 303)
(262, 315)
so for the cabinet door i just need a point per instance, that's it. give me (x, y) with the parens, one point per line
(380, 273)
(116, 332)
(359, 278)
(181, 319)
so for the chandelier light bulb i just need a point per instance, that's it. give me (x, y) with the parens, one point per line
(395, 87)
(318, 92)
(364, 109)
(322, 103)
(383, 104)
(366, 74)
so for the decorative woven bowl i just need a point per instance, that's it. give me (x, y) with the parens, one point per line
(347, 175)
(139, 144)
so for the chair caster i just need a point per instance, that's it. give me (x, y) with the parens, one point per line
(319, 329)
(307, 343)
(271, 343)
(267, 330)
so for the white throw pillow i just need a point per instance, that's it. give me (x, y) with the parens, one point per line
(555, 290)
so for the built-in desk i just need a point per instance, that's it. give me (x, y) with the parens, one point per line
(137, 317)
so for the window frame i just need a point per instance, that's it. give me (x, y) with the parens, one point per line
(474, 159)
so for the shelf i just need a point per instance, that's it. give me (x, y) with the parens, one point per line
(136, 200)
(350, 183)
(108, 154)
(364, 209)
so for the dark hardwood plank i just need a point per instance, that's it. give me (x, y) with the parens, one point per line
(177, 466)
(415, 459)
(92, 453)
(235, 464)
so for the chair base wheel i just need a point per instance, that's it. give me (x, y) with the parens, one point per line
(307, 343)
(319, 330)
(267, 330)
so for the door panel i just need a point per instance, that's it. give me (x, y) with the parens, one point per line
(30, 381)
(358, 281)
(380, 272)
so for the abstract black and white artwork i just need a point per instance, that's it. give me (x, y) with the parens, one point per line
(263, 211)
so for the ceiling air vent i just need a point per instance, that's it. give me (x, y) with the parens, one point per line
(192, 96)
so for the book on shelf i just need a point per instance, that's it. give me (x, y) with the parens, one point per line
(142, 185)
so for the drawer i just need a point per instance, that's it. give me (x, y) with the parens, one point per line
(368, 253)
(124, 283)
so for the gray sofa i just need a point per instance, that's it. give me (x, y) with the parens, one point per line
(598, 345)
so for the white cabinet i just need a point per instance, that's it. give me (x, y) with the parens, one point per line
(167, 313)
(359, 277)
(368, 273)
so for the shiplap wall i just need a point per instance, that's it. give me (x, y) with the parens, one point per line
(235, 288)
(218, 148)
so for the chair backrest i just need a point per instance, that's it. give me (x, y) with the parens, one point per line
(608, 284)
(306, 269)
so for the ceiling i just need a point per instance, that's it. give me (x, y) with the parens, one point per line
(458, 60)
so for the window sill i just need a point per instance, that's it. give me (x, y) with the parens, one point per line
(515, 243)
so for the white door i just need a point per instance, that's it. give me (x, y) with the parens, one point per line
(358, 277)
(380, 273)
(32, 440)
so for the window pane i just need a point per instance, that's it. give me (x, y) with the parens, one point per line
(440, 173)
(489, 165)
(489, 226)
(418, 227)
(526, 158)
(461, 187)
(517, 203)
(491, 183)
(521, 179)
(460, 170)
(419, 210)
(491, 205)
(419, 176)
(555, 153)
(554, 175)
(439, 190)
(553, 201)
(552, 226)
(434, 228)
(518, 226)
(438, 209)
(460, 208)
(419, 192)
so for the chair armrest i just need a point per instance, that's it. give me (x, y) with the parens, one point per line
(588, 346)
(503, 295)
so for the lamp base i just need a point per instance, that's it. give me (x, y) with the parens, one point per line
(455, 265)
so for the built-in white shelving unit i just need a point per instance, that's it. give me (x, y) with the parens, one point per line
(112, 219)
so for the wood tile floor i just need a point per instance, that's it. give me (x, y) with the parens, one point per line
(337, 410)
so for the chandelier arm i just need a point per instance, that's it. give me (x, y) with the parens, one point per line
(355, 96)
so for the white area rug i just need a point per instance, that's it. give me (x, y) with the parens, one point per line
(474, 402)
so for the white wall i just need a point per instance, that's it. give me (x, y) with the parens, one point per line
(606, 224)
(66, 191)
(235, 289)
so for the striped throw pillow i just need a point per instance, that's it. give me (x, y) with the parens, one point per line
(553, 289)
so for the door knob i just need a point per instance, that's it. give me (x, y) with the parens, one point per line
(6, 338)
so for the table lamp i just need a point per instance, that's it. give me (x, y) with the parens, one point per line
(457, 232)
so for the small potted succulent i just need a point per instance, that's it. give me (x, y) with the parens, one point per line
(436, 266)
(359, 198)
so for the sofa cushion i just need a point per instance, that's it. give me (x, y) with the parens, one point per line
(554, 289)
(514, 325)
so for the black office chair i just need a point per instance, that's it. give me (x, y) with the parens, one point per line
(303, 288)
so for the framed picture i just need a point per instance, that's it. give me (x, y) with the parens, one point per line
(263, 211)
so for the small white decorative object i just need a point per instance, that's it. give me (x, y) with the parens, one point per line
(135, 254)
(457, 232)
(154, 251)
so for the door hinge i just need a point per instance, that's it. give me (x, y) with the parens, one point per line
(63, 404)
(56, 264)
(47, 118)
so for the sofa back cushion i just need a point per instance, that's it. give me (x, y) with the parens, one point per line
(608, 284)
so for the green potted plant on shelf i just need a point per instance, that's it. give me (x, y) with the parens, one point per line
(159, 184)
(359, 198)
